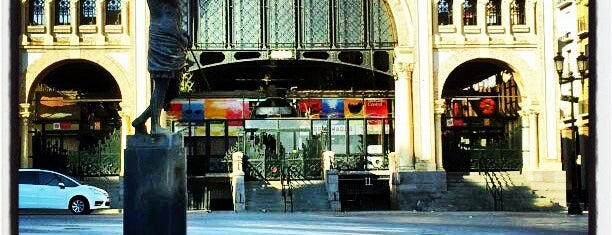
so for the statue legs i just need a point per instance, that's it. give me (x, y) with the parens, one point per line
(154, 110)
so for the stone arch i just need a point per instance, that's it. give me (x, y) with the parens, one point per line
(403, 20)
(36, 71)
(515, 62)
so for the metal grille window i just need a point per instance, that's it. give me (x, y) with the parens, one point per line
(113, 12)
(382, 24)
(281, 23)
(493, 14)
(246, 23)
(517, 12)
(62, 12)
(445, 13)
(37, 12)
(469, 12)
(212, 23)
(88, 12)
(350, 23)
(316, 23)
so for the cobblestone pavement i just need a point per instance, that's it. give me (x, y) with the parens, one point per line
(388, 222)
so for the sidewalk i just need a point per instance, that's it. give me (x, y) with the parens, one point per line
(311, 223)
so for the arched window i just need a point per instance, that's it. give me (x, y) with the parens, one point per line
(445, 12)
(469, 12)
(37, 12)
(517, 12)
(62, 12)
(88, 12)
(113, 12)
(493, 12)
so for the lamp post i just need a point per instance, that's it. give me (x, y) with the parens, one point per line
(574, 206)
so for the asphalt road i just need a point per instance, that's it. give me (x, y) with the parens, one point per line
(323, 223)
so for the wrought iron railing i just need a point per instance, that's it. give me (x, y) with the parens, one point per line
(492, 164)
(360, 162)
(100, 160)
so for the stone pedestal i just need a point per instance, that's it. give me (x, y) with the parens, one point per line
(238, 191)
(155, 186)
(333, 192)
(417, 190)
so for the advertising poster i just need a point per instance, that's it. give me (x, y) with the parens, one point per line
(333, 108)
(354, 108)
(376, 108)
(310, 108)
(54, 106)
(227, 109)
(192, 110)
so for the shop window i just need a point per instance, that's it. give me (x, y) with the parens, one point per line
(517, 12)
(113, 12)
(62, 12)
(445, 12)
(37, 12)
(469, 12)
(88, 12)
(493, 12)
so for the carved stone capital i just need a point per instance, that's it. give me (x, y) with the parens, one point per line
(531, 106)
(25, 110)
(403, 69)
(439, 106)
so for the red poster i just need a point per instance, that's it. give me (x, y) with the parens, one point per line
(311, 108)
(175, 110)
(376, 109)
(227, 109)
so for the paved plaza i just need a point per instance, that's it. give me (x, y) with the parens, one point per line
(387, 222)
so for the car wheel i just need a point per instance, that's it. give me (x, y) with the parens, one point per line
(78, 206)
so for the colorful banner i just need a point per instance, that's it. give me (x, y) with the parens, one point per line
(333, 108)
(227, 109)
(376, 108)
(54, 106)
(310, 108)
(186, 110)
(354, 108)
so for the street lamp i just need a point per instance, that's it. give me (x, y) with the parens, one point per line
(574, 206)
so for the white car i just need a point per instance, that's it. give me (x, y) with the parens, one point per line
(44, 189)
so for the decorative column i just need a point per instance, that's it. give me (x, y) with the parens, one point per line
(525, 139)
(24, 114)
(505, 21)
(99, 39)
(25, 14)
(481, 18)
(124, 20)
(125, 130)
(458, 21)
(533, 139)
(49, 21)
(74, 22)
(530, 12)
(238, 189)
(404, 142)
(439, 108)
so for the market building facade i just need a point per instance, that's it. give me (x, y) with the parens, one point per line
(402, 99)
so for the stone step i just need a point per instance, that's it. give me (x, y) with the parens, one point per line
(467, 191)
(305, 196)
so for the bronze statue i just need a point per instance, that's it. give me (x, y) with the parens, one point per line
(166, 59)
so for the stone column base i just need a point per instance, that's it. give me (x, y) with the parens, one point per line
(550, 184)
(417, 190)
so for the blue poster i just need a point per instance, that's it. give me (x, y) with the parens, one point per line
(333, 108)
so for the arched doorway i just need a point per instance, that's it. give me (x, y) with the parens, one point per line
(307, 73)
(481, 128)
(76, 127)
